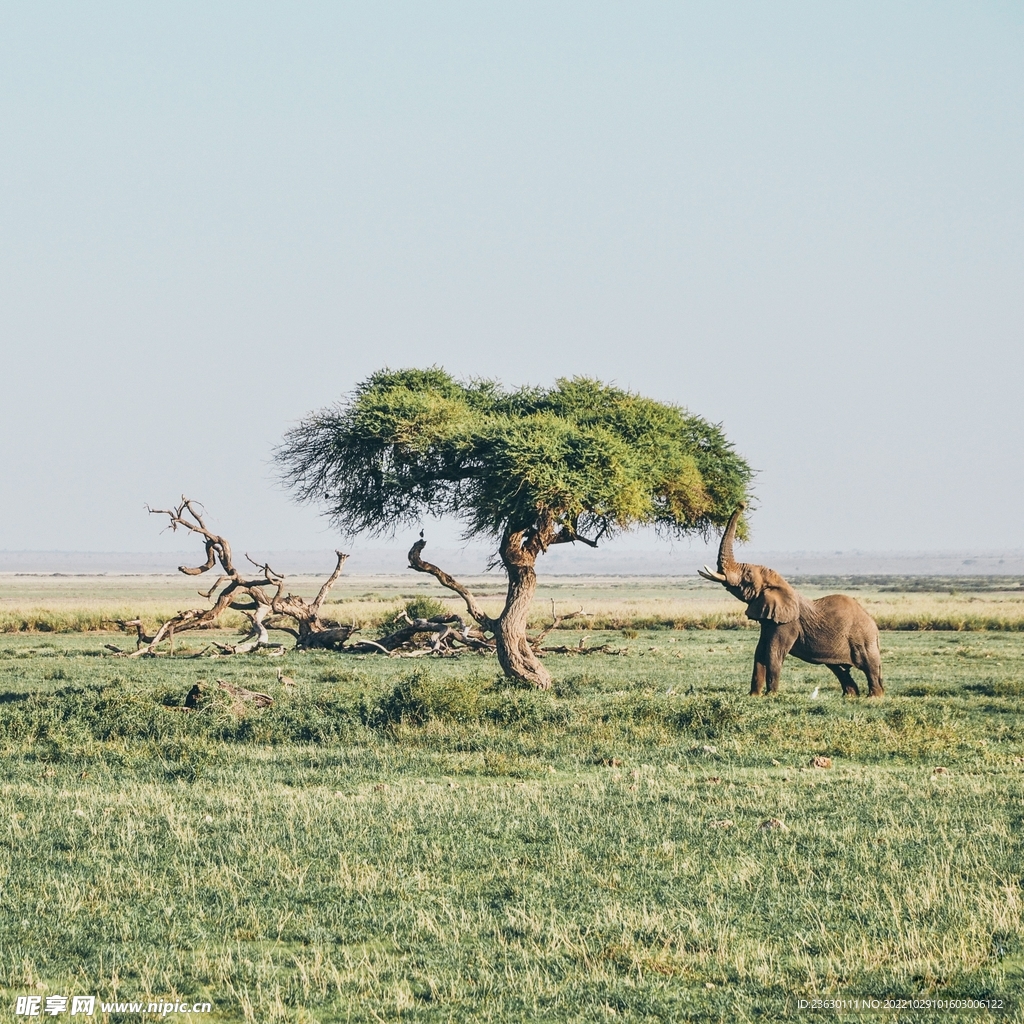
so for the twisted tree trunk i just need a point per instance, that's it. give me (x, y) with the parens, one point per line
(516, 655)
(518, 552)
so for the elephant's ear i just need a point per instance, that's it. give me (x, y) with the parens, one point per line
(777, 601)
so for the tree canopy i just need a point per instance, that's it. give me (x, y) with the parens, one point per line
(588, 457)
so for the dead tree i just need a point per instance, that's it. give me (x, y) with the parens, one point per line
(262, 599)
(556, 621)
(446, 638)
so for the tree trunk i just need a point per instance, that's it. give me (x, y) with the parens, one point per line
(322, 635)
(516, 656)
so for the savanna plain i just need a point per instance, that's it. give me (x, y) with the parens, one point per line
(416, 839)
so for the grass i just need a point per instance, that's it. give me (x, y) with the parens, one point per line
(419, 841)
(47, 604)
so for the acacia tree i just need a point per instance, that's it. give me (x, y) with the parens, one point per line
(528, 468)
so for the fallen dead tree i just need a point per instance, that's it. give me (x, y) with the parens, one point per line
(261, 598)
(435, 635)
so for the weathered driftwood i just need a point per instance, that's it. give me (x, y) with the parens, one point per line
(261, 598)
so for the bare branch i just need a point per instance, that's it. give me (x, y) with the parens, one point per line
(209, 593)
(556, 621)
(273, 577)
(569, 536)
(329, 582)
(417, 563)
(440, 624)
(216, 547)
(248, 596)
(198, 570)
(372, 643)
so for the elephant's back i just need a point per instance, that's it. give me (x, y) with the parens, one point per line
(843, 608)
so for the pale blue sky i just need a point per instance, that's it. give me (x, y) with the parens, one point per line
(803, 220)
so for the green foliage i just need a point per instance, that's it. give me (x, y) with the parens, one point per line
(58, 721)
(700, 716)
(428, 696)
(424, 607)
(596, 458)
(425, 696)
(420, 607)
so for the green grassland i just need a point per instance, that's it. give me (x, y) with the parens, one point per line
(31, 603)
(421, 841)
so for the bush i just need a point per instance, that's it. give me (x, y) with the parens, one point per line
(422, 607)
(704, 717)
(79, 715)
(423, 697)
(519, 708)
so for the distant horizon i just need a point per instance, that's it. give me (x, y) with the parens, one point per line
(823, 552)
(472, 560)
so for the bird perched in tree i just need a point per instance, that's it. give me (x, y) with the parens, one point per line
(814, 695)
(284, 680)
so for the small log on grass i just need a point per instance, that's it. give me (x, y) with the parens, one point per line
(240, 696)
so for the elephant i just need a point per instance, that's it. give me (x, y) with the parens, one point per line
(834, 631)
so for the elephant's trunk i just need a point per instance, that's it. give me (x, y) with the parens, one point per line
(726, 561)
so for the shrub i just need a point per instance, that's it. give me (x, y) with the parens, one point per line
(423, 697)
(706, 716)
(421, 607)
(702, 716)
(520, 708)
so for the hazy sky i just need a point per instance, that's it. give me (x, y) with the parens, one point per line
(803, 220)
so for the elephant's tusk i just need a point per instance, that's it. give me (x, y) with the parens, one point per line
(710, 574)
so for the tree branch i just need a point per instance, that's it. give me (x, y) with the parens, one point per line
(329, 582)
(556, 621)
(474, 609)
(570, 536)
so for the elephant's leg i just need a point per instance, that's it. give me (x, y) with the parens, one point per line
(757, 679)
(846, 681)
(760, 674)
(870, 663)
(774, 674)
(774, 645)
